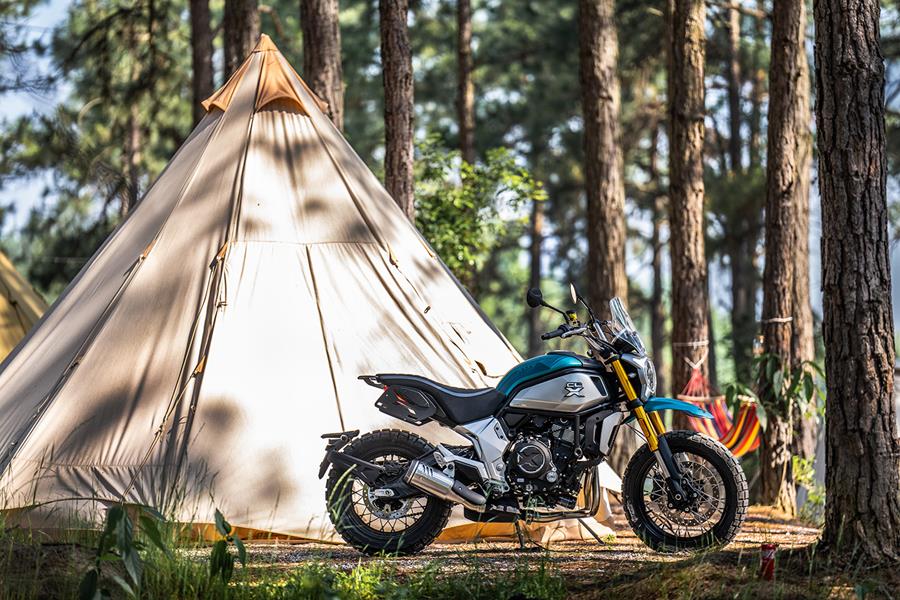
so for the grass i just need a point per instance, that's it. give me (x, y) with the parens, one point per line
(30, 570)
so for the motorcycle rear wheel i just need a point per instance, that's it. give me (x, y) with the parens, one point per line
(375, 525)
(713, 520)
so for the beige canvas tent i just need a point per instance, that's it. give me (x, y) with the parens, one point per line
(196, 359)
(20, 306)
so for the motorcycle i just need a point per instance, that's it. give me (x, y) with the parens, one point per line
(537, 440)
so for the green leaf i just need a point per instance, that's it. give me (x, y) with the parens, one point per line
(150, 529)
(808, 387)
(132, 561)
(124, 585)
(152, 512)
(222, 526)
(217, 557)
(242, 550)
(88, 588)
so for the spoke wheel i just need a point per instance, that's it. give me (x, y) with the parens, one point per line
(373, 522)
(714, 482)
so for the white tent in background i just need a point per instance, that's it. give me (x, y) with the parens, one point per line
(196, 359)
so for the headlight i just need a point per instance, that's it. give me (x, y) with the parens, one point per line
(651, 379)
(646, 372)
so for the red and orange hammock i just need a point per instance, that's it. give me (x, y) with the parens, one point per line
(740, 435)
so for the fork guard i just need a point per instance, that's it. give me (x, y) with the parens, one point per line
(658, 404)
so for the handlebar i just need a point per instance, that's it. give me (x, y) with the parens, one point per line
(561, 330)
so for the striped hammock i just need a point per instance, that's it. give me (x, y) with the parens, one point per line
(740, 435)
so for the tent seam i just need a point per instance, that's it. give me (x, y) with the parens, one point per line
(337, 399)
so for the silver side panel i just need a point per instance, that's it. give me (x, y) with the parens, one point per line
(490, 443)
(607, 427)
(569, 393)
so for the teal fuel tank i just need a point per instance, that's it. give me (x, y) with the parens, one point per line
(537, 367)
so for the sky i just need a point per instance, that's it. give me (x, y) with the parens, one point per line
(26, 194)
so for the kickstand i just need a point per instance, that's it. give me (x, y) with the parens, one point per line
(592, 532)
(520, 535)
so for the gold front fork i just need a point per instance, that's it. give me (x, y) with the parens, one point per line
(651, 424)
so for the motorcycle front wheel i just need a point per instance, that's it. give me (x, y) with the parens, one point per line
(712, 519)
(376, 525)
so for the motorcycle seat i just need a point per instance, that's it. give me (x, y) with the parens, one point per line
(459, 404)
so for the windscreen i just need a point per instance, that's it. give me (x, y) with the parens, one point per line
(623, 327)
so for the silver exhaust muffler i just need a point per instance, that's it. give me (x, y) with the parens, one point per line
(437, 483)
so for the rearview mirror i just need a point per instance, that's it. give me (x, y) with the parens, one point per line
(574, 293)
(534, 297)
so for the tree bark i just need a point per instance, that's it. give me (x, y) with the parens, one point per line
(741, 246)
(603, 170)
(803, 347)
(757, 95)
(602, 152)
(711, 358)
(690, 301)
(465, 94)
(396, 62)
(657, 308)
(201, 56)
(240, 23)
(743, 225)
(322, 54)
(862, 506)
(535, 344)
(787, 163)
(733, 77)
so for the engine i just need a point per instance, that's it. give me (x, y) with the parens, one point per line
(540, 459)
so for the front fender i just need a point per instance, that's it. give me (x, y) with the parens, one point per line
(657, 404)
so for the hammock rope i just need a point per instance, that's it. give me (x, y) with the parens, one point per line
(741, 434)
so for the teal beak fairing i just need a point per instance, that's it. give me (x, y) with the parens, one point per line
(657, 404)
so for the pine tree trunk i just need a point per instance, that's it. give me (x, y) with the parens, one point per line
(788, 158)
(862, 506)
(201, 56)
(711, 358)
(803, 347)
(132, 135)
(396, 61)
(602, 152)
(733, 77)
(690, 302)
(465, 94)
(657, 309)
(240, 23)
(535, 344)
(322, 54)
(743, 235)
(743, 225)
(757, 93)
(598, 54)
(132, 160)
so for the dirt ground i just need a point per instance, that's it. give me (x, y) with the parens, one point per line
(621, 568)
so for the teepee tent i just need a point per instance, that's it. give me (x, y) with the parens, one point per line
(198, 356)
(20, 306)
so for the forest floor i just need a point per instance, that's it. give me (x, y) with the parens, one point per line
(626, 568)
(619, 568)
